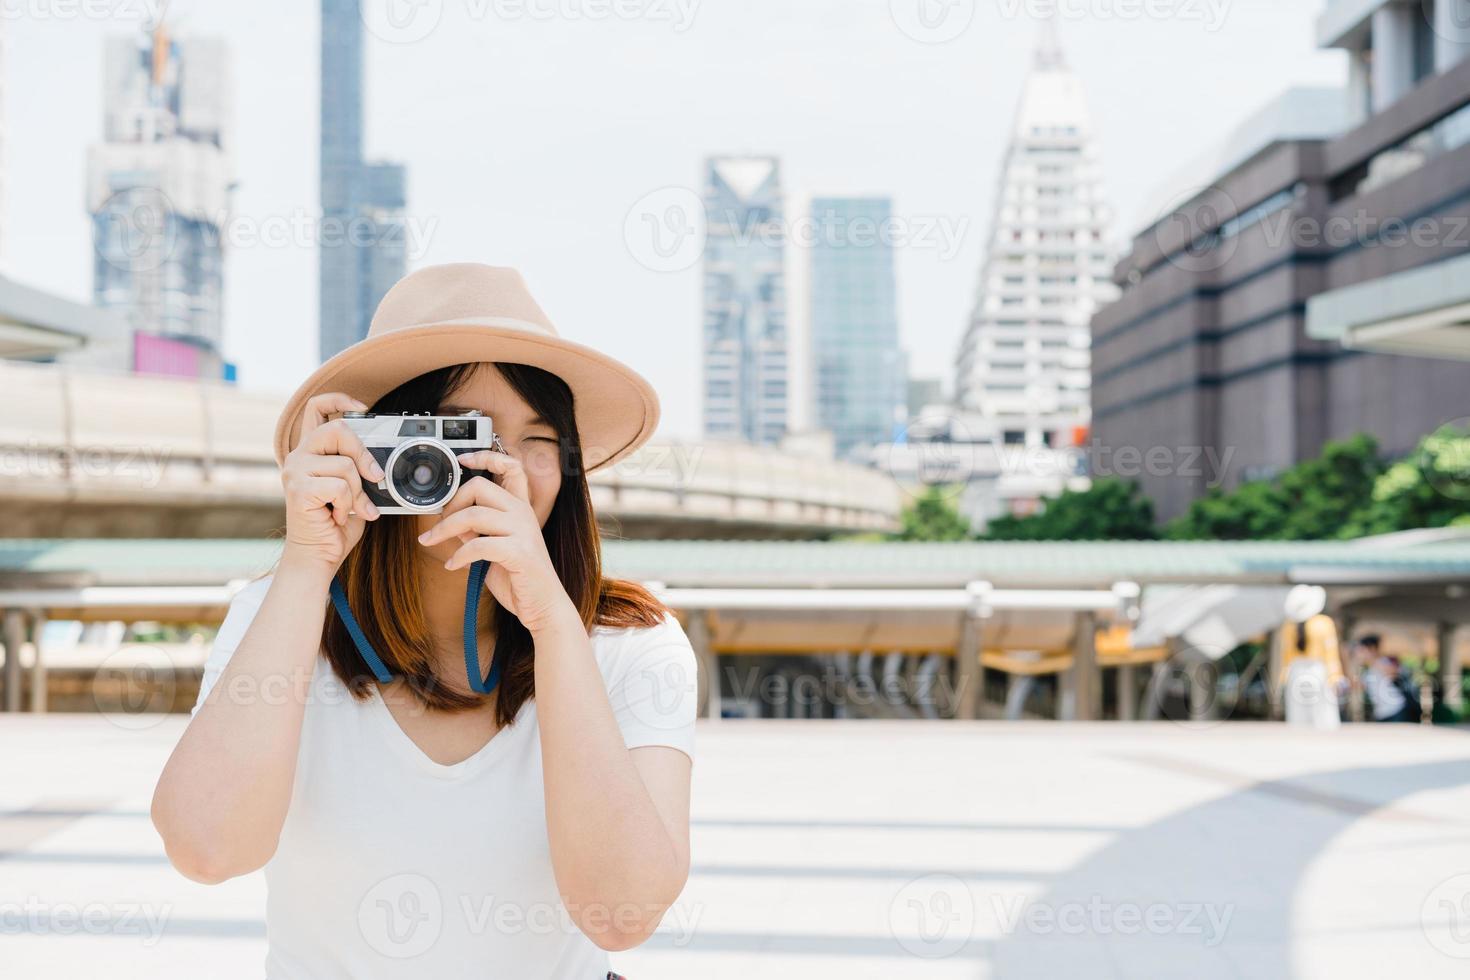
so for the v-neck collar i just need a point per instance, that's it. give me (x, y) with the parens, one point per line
(486, 755)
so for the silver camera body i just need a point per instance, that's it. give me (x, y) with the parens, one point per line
(419, 455)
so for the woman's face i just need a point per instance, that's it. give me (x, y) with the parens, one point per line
(524, 435)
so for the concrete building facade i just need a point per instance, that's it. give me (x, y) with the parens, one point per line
(1204, 371)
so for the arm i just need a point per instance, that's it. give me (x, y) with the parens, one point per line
(222, 798)
(617, 819)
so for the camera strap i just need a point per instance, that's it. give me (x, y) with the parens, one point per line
(473, 589)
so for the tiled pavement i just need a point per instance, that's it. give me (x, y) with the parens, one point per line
(877, 849)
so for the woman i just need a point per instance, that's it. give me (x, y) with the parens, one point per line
(410, 825)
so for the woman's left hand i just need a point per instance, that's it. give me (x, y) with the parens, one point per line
(495, 523)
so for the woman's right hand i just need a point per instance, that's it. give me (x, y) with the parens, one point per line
(326, 507)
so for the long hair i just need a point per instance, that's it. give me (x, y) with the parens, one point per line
(381, 574)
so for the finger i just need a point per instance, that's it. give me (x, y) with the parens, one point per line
(363, 506)
(481, 549)
(318, 407)
(478, 490)
(512, 472)
(338, 439)
(474, 520)
(338, 466)
(322, 491)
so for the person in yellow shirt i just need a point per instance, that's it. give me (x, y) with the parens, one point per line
(1311, 672)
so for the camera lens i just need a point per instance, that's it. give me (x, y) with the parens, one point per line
(422, 475)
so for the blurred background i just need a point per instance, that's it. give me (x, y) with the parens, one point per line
(1064, 475)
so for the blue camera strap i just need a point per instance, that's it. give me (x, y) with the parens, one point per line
(473, 588)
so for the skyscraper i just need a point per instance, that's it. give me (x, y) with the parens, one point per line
(364, 234)
(4, 168)
(158, 190)
(857, 365)
(745, 345)
(1024, 363)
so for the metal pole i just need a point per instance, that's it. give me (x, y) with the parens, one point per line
(709, 664)
(1085, 687)
(1451, 671)
(1127, 693)
(15, 633)
(38, 665)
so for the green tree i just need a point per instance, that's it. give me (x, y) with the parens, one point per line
(1110, 510)
(932, 516)
(1317, 499)
(1431, 488)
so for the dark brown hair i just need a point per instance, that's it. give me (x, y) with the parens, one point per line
(381, 575)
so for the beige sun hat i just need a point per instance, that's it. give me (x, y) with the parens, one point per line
(456, 314)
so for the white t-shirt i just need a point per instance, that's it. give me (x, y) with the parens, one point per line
(392, 865)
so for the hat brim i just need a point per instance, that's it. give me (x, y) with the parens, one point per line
(616, 409)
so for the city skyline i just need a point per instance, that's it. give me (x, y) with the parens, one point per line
(538, 205)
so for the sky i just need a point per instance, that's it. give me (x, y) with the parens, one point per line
(535, 130)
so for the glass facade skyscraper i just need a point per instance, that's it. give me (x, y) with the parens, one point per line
(363, 249)
(745, 345)
(858, 368)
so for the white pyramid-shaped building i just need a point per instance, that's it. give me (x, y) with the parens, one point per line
(1024, 364)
